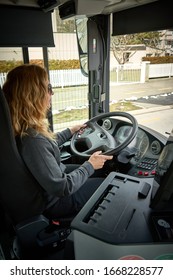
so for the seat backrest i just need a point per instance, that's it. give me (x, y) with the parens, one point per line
(17, 184)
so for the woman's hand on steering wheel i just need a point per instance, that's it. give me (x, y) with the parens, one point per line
(97, 160)
(78, 128)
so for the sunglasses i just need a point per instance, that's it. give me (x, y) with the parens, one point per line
(50, 90)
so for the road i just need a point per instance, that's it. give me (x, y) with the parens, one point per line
(157, 113)
(155, 116)
(158, 118)
(137, 90)
(65, 98)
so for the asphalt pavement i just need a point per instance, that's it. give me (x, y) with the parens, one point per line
(154, 96)
(153, 92)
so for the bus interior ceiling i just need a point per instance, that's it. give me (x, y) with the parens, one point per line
(26, 34)
(87, 7)
(128, 16)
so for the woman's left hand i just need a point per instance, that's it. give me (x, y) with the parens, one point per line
(78, 128)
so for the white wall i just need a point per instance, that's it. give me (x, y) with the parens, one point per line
(11, 54)
(65, 48)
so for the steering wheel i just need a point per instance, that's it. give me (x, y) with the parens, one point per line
(96, 138)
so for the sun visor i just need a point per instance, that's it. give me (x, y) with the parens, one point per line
(27, 27)
(145, 18)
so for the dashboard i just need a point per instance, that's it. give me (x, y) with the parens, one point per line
(140, 158)
(141, 143)
(145, 149)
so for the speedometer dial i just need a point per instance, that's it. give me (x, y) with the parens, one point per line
(165, 159)
(155, 147)
(107, 124)
(122, 133)
(140, 143)
(143, 144)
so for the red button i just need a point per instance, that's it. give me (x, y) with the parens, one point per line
(153, 172)
(146, 173)
(140, 172)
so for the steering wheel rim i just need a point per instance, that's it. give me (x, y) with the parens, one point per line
(98, 130)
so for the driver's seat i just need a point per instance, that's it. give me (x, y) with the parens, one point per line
(34, 233)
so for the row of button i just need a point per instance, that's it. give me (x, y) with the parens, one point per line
(148, 165)
(146, 173)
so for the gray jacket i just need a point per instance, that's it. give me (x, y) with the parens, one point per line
(42, 157)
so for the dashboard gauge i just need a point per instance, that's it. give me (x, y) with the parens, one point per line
(123, 132)
(140, 143)
(137, 154)
(155, 147)
(107, 124)
(165, 159)
(143, 143)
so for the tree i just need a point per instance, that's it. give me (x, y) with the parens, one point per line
(125, 46)
(65, 26)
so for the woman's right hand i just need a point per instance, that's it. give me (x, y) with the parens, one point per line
(97, 159)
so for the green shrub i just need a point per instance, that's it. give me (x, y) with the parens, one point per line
(7, 65)
(158, 59)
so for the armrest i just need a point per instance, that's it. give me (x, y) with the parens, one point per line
(40, 232)
(28, 230)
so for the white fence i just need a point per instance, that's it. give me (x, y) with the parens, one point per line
(62, 78)
(128, 72)
(2, 78)
(161, 70)
(142, 72)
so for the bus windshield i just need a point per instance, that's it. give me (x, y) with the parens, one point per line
(140, 74)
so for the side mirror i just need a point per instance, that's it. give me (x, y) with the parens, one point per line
(82, 38)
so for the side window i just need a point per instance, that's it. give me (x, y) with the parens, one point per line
(9, 58)
(70, 85)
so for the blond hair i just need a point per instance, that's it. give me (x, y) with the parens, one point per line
(26, 92)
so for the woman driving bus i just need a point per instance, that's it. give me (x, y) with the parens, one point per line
(64, 189)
